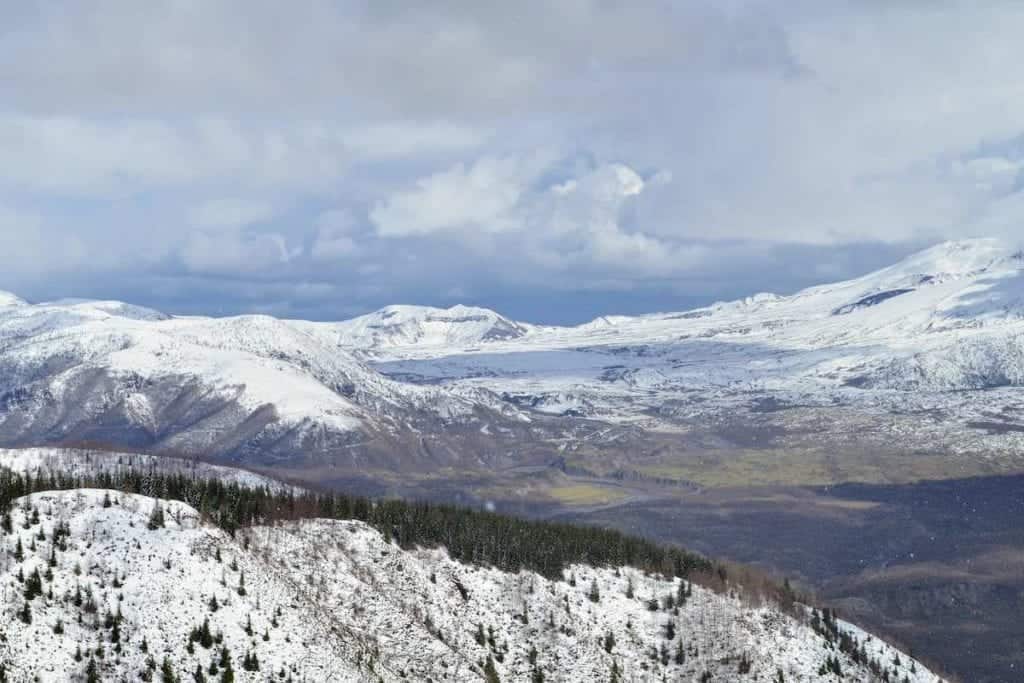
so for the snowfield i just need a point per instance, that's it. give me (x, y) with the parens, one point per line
(321, 600)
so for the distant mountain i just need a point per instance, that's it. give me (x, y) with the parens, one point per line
(251, 387)
(396, 327)
(423, 388)
(949, 319)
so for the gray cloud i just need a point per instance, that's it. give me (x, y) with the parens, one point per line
(326, 158)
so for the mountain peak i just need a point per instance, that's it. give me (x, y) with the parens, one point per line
(414, 326)
(960, 257)
(8, 299)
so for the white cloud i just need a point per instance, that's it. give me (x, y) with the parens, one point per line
(235, 251)
(573, 222)
(480, 197)
(230, 213)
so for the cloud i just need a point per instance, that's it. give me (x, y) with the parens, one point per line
(73, 156)
(229, 213)
(479, 197)
(333, 240)
(455, 58)
(639, 152)
(235, 252)
(554, 222)
(404, 139)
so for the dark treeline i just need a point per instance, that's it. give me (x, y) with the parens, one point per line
(472, 536)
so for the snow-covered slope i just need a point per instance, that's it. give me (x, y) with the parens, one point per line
(918, 337)
(8, 299)
(81, 462)
(421, 327)
(85, 371)
(950, 318)
(323, 600)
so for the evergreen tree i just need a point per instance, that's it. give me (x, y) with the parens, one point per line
(33, 585)
(594, 595)
(490, 672)
(167, 672)
(92, 674)
(156, 517)
(205, 637)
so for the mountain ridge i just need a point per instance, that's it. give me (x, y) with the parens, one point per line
(109, 583)
(425, 388)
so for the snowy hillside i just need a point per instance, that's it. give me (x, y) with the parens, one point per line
(116, 374)
(8, 299)
(950, 318)
(414, 386)
(97, 581)
(81, 462)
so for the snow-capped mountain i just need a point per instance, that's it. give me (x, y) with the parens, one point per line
(424, 388)
(395, 327)
(948, 319)
(93, 587)
(253, 386)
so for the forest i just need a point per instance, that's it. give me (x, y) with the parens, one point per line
(473, 536)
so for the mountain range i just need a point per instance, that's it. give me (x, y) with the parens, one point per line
(926, 348)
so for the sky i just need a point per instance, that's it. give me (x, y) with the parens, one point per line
(552, 160)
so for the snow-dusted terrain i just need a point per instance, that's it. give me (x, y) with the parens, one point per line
(927, 352)
(321, 600)
(114, 374)
(81, 462)
(939, 334)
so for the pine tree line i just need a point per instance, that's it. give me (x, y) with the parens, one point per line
(472, 536)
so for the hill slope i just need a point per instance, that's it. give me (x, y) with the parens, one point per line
(333, 600)
(249, 387)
